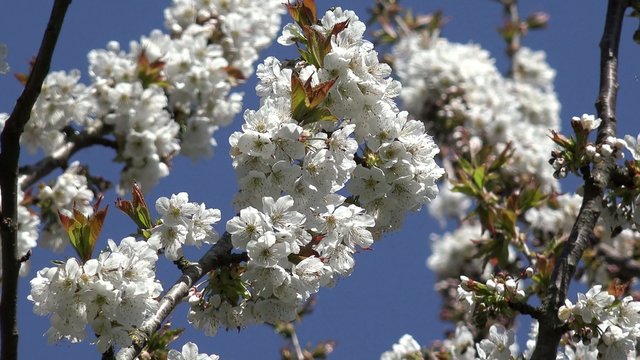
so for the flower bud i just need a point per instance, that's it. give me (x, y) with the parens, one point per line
(491, 285)
(537, 20)
(606, 149)
(528, 272)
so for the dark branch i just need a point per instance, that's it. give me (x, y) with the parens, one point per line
(526, 309)
(551, 328)
(59, 159)
(218, 255)
(9, 157)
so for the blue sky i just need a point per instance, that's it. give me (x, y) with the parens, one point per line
(391, 291)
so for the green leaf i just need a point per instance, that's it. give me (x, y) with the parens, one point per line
(530, 198)
(479, 176)
(465, 189)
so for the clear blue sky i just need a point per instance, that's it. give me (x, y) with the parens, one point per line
(391, 291)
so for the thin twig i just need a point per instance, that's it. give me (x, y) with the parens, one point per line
(217, 256)
(513, 43)
(296, 343)
(551, 328)
(32, 173)
(9, 157)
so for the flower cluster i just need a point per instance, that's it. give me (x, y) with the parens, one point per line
(190, 352)
(406, 348)
(602, 325)
(494, 294)
(452, 252)
(166, 95)
(182, 223)
(327, 126)
(575, 153)
(113, 294)
(457, 87)
(365, 144)
(500, 344)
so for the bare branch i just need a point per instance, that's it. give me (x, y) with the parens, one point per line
(551, 328)
(513, 43)
(9, 157)
(526, 309)
(217, 256)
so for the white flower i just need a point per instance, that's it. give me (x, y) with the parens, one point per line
(565, 311)
(177, 210)
(279, 214)
(189, 352)
(627, 315)
(461, 345)
(500, 345)
(170, 238)
(581, 352)
(265, 251)
(200, 229)
(250, 225)
(588, 122)
(592, 304)
(616, 344)
(633, 145)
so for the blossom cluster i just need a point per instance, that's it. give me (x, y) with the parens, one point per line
(166, 95)
(113, 293)
(601, 326)
(458, 88)
(406, 347)
(182, 223)
(500, 344)
(382, 158)
(462, 97)
(493, 294)
(190, 352)
(317, 178)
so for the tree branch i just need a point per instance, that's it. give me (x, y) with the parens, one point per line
(9, 157)
(32, 173)
(551, 328)
(526, 309)
(513, 43)
(217, 256)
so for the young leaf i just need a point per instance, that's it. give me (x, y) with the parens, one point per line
(83, 231)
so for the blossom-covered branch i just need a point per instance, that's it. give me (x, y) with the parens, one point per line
(217, 256)
(9, 156)
(596, 180)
